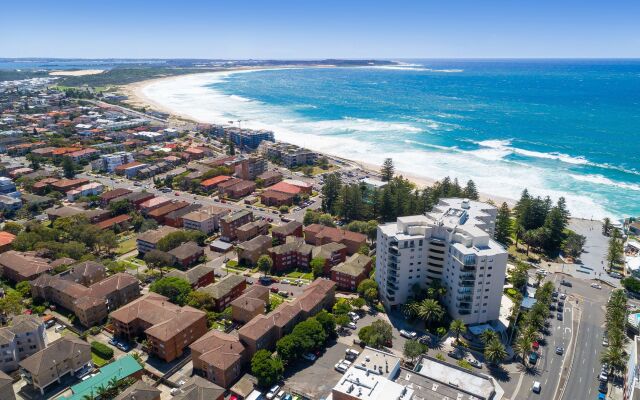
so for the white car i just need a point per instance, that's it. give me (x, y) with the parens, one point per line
(352, 325)
(285, 281)
(408, 334)
(354, 317)
(309, 356)
(563, 296)
(537, 387)
(272, 392)
(596, 285)
(174, 391)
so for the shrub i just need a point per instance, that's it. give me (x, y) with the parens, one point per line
(102, 350)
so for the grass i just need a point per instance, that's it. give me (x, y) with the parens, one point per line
(274, 301)
(126, 246)
(99, 361)
(300, 275)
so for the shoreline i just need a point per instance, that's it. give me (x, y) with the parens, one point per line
(137, 97)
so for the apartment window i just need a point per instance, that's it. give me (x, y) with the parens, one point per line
(484, 304)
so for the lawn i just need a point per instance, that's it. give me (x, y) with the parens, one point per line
(300, 275)
(98, 361)
(126, 246)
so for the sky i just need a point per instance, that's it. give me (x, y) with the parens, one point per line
(262, 29)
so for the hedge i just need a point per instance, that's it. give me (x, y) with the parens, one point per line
(102, 350)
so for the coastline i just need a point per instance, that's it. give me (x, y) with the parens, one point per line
(137, 97)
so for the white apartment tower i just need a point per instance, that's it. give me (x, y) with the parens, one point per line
(452, 244)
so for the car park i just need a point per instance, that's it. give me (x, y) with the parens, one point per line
(537, 387)
(408, 334)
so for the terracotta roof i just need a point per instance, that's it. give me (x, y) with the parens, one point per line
(284, 187)
(258, 242)
(215, 180)
(6, 238)
(108, 223)
(274, 194)
(115, 193)
(166, 209)
(192, 275)
(335, 234)
(219, 349)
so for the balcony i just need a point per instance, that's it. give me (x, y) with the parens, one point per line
(463, 305)
(466, 284)
(392, 286)
(394, 250)
(464, 298)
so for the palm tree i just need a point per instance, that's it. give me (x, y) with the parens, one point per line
(136, 356)
(457, 327)
(494, 351)
(522, 346)
(102, 391)
(428, 310)
(606, 226)
(616, 358)
(487, 336)
(89, 396)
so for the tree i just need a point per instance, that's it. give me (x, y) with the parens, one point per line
(428, 310)
(470, 191)
(157, 259)
(573, 244)
(330, 193)
(615, 252)
(267, 369)
(494, 351)
(364, 250)
(317, 266)
(616, 358)
(200, 300)
(413, 349)
(11, 303)
(630, 283)
(522, 346)
(487, 336)
(68, 168)
(371, 295)
(365, 285)
(176, 289)
(387, 170)
(358, 303)
(342, 307)
(12, 227)
(376, 335)
(310, 334)
(24, 288)
(328, 322)
(342, 320)
(457, 327)
(119, 207)
(606, 226)
(503, 225)
(289, 348)
(264, 263)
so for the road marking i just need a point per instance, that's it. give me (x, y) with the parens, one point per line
(555, 393)
(515, 393)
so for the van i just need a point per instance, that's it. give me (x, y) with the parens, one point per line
(351, 354)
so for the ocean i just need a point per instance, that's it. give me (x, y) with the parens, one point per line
(557, 127)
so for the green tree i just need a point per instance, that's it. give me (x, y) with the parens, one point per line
(317, 266)
(487, 336)
(11, 303)
(264, 263)
(310, 334)
(470, 191)
(630, 283)
(413, 349)
(266, 368)
(522, 346)
(387, 170)
(342, 320)
(174, 288)
(24, 288)
(503, 225)
(615, 252)
(494, 351)
(157, 259)
(330, 192)
(12, 227)
(201, 300)
(428, 310)
(358, 303)
(365, 285)
(68, 168)
(341, 307)
(328, 322)
(616, 358)
(573, 244)
(376, 335)
(364, 250)
(607, 226)
(371, 295)
(289, 348)
(119, 207)
(457, 327)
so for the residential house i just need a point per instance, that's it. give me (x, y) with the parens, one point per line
(250, 251)
(64, 185)
(218, 357)
(253, 302)
(348, 275)
(294, 253)
(317, 235)
(281, 232)
(117, 370)
(249, 168)
(160, 213)
(120, 221)
(6, 239)
(90, 189)
(175, 218)
(67, 355)
(24, 336)
(113, 195)
(225, 290)
(168, 327)
(332, 254)
(269, 178)
(252, 229)
(230, 223)
(153, 203)
(187, 254)
(212, 183)
(148, 240)
(198, 276)
(205, 219)
(139, 391)
(19, 266)
(197, 388)
(6, 387)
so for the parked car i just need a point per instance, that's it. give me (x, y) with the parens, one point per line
(113, 342)
(59, 328)
(605, 342)
(563, 296)
(408, 334)
(603, 387)
(565, 283)
(272, 392)
(352, 325)
(425, 339)
(533, 358)
(351, 354)
(286, 281)
(456, 353)
(603, 377)
(274, 289)
(596, 285)
(559, 316)
(309, 356)
(559, 350)
(537, 387)
(354, 317)
(616, 275)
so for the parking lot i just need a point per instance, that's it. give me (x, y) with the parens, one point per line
(316, 379)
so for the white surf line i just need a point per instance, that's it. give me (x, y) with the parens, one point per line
(573, 353)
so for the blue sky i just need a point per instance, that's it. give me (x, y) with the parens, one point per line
(320, 29)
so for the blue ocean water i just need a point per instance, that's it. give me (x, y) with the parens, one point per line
(569, 128)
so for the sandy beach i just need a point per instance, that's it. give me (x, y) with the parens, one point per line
(137, 97)
(81, 72)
